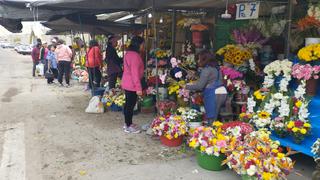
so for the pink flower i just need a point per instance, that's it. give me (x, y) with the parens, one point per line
(221, 143)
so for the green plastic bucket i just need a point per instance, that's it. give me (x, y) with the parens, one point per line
(247, 177)
(147, 101)
(210, 162)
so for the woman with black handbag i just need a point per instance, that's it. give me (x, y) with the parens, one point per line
(52, 72)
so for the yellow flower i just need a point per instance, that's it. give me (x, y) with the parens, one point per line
(275, 151)
(193, 143)
(108, 104)
(298, 104)
(290, 125)
(303, 131)
(295, 129)
(281, 155)
(266, 176)
(168, 136)
(217, 124)
(307, 125)
(202, 148)
(264, 115)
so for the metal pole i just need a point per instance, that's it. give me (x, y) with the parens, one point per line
(173, 42)
(289, 21)
(146, 45)
(154, 46)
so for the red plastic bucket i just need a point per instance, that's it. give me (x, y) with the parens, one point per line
(175, 142)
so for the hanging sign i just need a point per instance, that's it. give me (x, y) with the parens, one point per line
(248, 10)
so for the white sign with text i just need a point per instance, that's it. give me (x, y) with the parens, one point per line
(248, 10)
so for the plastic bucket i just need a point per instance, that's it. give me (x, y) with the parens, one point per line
(210, 162)
(175, 142)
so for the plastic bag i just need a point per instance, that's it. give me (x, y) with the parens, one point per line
(40, 69)
(95, 105)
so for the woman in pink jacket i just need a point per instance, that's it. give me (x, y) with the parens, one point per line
(133, 69)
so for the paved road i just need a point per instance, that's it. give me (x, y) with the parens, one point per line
(45, 135)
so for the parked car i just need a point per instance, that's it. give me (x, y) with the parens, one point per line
(24, 49)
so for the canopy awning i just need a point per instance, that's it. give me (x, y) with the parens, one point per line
(85, 23)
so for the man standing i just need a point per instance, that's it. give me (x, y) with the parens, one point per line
(35, 54)
(64, 56)
(43, 55)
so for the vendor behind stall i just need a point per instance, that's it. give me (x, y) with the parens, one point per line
(211, 84)
(114, 62)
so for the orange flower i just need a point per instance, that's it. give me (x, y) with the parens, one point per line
(308, 22)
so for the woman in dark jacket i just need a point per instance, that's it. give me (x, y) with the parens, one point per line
(211, 84)
(114, 62)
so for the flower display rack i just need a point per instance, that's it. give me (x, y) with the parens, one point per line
(305, 146)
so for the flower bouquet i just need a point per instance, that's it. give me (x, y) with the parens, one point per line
(309, 74)
(166, 107)
(237, 129)
(249, 37)
(170, 128)
(310, 53)
(261, 119)
(175, 87)
(120, 100)
(278, 125)
(258, 157)
(307, 27)
(245, 117)
(235, 55)
(192, 116)
(211, 144)
(299, 130)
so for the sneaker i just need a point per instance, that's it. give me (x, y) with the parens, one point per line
(134, 125)
(61, 85)
(68, 85)
(132, 129)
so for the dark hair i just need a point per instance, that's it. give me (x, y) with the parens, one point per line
(93, 43)
(50, 46)
(60, 41)
(135, 43)
(206, 58)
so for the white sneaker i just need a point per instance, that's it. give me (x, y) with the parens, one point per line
(132, 129)
(125, 126)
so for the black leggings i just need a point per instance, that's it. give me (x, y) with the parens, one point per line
(112, 79)
(94, 77)
(131, 100)
(64, 69)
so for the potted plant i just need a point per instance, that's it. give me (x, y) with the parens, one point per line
(299, 130)
(258, 157)
(210, 145)
(170, 128)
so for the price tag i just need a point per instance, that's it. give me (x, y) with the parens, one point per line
(248, 10)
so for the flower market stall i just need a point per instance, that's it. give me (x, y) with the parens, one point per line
(277, 99)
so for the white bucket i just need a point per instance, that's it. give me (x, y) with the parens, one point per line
(310, 41)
